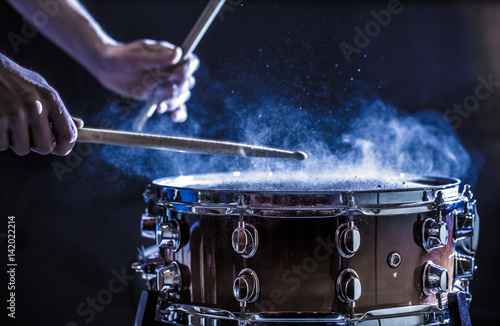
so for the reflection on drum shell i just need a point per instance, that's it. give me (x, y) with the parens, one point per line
(297, 262)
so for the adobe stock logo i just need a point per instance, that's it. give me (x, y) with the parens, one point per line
(229, 7)
(89, 308)
(372, 29)
(471, 103)
(48, 9)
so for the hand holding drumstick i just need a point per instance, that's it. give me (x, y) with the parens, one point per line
(129, 69)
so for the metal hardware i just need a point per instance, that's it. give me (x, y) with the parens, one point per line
(348, 286)
(467, 193)
(328, 204)
(465, 221)
(427, 315)
(438, 199)
(149, 261)
(164, 196)
(150, 195)
(177, 196)
(168, 235)
(169, 278)
(241, 202)
(148, 225)
(347, 236)
(434, 234)
(425, 197)
(348, 239)
(148, 268)
(394, 259)
(464, 267)
(246, 287)
(245, 239)
(464, 287)
(435, 279)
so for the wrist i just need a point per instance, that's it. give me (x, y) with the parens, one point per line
(97, 56)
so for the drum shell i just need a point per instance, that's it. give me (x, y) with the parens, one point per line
(297, 261)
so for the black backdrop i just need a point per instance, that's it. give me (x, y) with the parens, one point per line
(76, 232)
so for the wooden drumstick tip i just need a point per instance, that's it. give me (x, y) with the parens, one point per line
(300, 156)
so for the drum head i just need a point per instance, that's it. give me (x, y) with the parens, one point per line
(302, 182)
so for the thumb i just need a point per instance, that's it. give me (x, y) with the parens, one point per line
(166, 54)
(78, 122)
(170, 57)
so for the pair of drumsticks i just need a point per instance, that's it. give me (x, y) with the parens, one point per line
(122, 138)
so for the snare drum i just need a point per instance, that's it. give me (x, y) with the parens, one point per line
(260, 248)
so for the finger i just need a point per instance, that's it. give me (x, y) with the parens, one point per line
(172, 103)
(152, 79)
(19, 136)
(162, 107)
(41, 136)
(194, 64)
(180, 114)
(183, 71)
(78, 122)
(160, 54)
(4, 134)
(169, 90)
(190, 83)
(164, 94)
(63, 127)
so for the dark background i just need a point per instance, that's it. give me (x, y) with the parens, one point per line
(73, 232)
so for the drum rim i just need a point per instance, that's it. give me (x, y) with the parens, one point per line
(196, 200)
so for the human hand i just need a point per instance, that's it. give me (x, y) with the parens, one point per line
(149, 69)
(32, 115)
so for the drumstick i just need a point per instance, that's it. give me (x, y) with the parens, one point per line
(194, 37)
(181, 144)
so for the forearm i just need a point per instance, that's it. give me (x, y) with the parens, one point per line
(140, 69)
(68, 25)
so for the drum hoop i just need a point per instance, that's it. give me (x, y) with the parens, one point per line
(200, 315)
(195, 200)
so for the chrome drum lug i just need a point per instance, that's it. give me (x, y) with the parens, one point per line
(246, 287)
(348, 239)
(465, 222)
(348, 286)
(245, 240)
(435, 279)
(464, 267)
(148, 225)
(168, 235)
(169, 278)
(434, 234)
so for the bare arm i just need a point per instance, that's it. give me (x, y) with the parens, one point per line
(132, 70)
(69, 26)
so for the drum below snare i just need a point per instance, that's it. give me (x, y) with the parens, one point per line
(258, 248)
